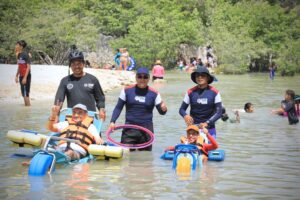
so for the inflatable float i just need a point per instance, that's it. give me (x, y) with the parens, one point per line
(45, 156)
(130, 146)
(187, 157)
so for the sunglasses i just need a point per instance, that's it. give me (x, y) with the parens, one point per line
(78, 112)
(142, 77)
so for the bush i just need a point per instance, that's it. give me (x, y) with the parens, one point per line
(230, 69)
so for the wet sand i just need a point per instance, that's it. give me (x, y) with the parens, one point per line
(46, 78)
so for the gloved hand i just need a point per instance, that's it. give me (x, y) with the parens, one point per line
(170, 148)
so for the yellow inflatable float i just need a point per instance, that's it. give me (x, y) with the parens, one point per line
(108, 151)
(26, 138)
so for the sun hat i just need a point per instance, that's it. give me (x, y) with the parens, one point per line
(80, 106)
(158, 62)
(192, 127)
(142, 70)
(201, 70)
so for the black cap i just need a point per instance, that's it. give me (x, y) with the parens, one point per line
(201, 70)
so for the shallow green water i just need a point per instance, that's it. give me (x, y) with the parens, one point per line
(262, 152)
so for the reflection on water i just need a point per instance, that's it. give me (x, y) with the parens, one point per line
(262, 152)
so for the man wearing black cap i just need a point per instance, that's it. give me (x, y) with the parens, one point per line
(140, 100)
(205, 101)
(81, 87)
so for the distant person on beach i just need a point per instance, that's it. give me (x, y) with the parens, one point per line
(124, 59)
(23, 74)
(139, 100)
(288, 106)
(81, 87)
(205, 102)
(158, 71)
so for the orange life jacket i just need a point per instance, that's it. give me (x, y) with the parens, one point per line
(199, 143)
(79, 132)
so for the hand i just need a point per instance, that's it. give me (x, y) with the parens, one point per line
(170, 148)
(102, 114)
(188, 120)
(101, 141)
(205, 131)
(163, 106)
(112, 126)
(203, 125)
(17, 79)
(24, 81)
(55, 111)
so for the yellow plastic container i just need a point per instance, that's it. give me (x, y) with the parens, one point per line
(183, 166)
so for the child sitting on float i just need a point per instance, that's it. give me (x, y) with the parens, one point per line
(193, 137)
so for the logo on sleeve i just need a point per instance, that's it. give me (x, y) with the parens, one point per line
(202, 100)
(141, 99)
(70, 86)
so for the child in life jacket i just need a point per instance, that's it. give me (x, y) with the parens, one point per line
(78, 127)
(194, 137)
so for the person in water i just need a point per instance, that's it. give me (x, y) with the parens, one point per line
(288, 105)
(194, 137)
(158, 71)
(139, 100)
(205, 102)
(78, 127)
(225, 116)
(81, 87)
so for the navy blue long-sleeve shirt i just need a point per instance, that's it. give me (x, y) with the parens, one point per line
(139, 105)
(206, 105)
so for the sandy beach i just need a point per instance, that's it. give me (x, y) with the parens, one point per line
(46, 78)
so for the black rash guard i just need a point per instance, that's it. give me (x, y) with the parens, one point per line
(85, 90)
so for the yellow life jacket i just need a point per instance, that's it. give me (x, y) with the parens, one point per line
(79, 132)
(199, 143)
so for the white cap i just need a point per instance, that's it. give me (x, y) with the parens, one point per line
(80, 106)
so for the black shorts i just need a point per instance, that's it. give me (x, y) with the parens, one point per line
(155, 77)
(134, 136)
(25, 89)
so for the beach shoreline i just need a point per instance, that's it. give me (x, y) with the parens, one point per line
(45, 80)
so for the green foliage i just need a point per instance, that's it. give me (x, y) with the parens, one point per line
(238, 30)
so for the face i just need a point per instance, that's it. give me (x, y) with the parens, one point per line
(287, 97)
(202, 79)
(250, 109)
(77, 68)
(78, 115)
(18, 48)
(192, 136)
(142, 80)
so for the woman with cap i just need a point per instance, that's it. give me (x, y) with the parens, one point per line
(158, 71)
(81, 87)
(78, 127)
(140, 100)
(205, 101)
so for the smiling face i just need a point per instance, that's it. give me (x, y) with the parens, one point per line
(142, 80)
(192, 136)
(78, 115)
(202, 79)
(77, 67)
